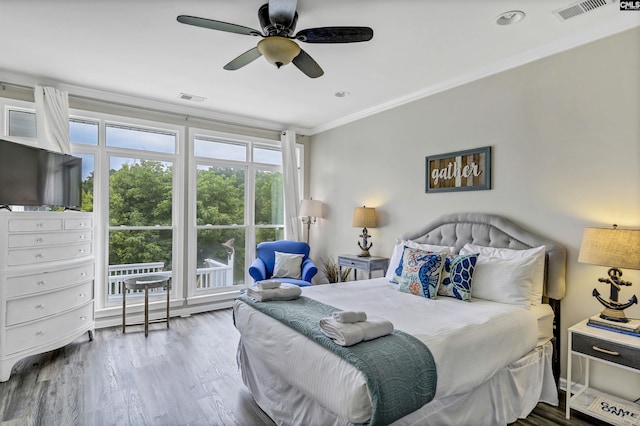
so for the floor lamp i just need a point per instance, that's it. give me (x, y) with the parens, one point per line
(310, 210)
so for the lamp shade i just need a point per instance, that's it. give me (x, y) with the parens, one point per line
(311, 208)
(619, 248)
(278, 50)
(364, 217)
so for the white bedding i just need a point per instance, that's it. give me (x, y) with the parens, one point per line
(470, 342)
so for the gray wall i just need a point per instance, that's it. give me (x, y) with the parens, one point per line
(565, 134)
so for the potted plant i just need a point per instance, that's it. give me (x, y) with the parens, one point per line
(331, 271)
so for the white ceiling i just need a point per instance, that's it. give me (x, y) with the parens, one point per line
(135, 51)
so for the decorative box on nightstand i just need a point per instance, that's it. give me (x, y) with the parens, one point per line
(609, 347)
(369, 264)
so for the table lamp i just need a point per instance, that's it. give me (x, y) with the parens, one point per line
(364, 217)
(310, 210)
(616, 248)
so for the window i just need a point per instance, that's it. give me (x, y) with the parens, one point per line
(141, 181)
(239, 202)
(22, 123)
(142, 139)
(84, 132)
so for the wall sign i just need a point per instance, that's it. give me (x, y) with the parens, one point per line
(468, 170)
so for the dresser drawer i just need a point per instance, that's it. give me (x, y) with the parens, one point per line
(35, 225)
(45, 239)
(38, 306)
(47, 254)
(78, 223)
(48, 330)
(606, 350)
(23, 285)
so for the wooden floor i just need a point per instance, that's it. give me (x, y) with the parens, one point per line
(183, 376)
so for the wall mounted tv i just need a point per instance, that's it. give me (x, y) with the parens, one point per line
(32, 176)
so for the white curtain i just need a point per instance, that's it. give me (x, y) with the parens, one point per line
(291, 185)
(52, 118)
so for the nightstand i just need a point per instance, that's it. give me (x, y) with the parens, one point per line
(609, 347)
(369, 264)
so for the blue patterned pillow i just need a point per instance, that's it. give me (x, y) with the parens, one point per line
(457, 275)
(427, 248)
(420, 272)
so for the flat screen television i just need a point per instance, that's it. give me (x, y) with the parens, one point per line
(32, 176)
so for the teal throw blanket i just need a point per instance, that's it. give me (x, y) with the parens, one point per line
(399, 369)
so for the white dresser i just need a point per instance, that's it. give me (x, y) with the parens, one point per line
(46, 282)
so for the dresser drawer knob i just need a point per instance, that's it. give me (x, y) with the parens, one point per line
(83, 274)
(39, 240)
(605, 351)
(83, 318)
(81, 251)
(81, 295)
(39, 256)
(39, 306)
(40, 333)
(40, 283)
(39, 225)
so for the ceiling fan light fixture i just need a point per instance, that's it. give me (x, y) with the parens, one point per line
(278, 50)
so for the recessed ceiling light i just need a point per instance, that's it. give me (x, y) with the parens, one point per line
(511, 17)
(342, 94)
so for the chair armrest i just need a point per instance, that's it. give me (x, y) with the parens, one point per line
(309, 269)
(258, 270)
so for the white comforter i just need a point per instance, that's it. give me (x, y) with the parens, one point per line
(469, 341)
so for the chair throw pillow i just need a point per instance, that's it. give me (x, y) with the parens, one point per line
(288, 265)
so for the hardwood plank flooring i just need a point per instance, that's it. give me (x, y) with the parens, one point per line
(186, 375)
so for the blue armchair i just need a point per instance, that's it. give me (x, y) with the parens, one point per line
(262, 267)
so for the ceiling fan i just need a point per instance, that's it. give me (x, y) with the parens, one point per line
(278, 20)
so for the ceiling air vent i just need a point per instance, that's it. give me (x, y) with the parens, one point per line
(580, 8)
(192, 98)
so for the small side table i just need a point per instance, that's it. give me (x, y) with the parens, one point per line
(372, 263)
(145, 283)
(604, 346)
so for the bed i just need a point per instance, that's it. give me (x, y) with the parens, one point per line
(495, 361)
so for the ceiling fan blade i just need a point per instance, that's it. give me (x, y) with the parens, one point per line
(335, 34)
(244, 59)
(307, 65)
(217, 25)
(282, 12)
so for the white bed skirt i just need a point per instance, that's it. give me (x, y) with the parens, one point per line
(510, 394)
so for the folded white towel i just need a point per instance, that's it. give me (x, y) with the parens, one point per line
(349, 316)
(284, 292)
(268, 284)
(348, 334)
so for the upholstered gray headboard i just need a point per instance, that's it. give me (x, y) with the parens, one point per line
(455, 230)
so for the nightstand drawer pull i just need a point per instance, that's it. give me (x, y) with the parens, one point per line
(604, 351)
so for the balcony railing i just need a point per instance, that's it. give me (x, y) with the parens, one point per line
(215, 274)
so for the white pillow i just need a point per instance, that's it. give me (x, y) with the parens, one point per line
(396, 255)
(288, 265)
(537, 253)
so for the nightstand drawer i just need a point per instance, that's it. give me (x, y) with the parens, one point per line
(353, 263)
(606, 350)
